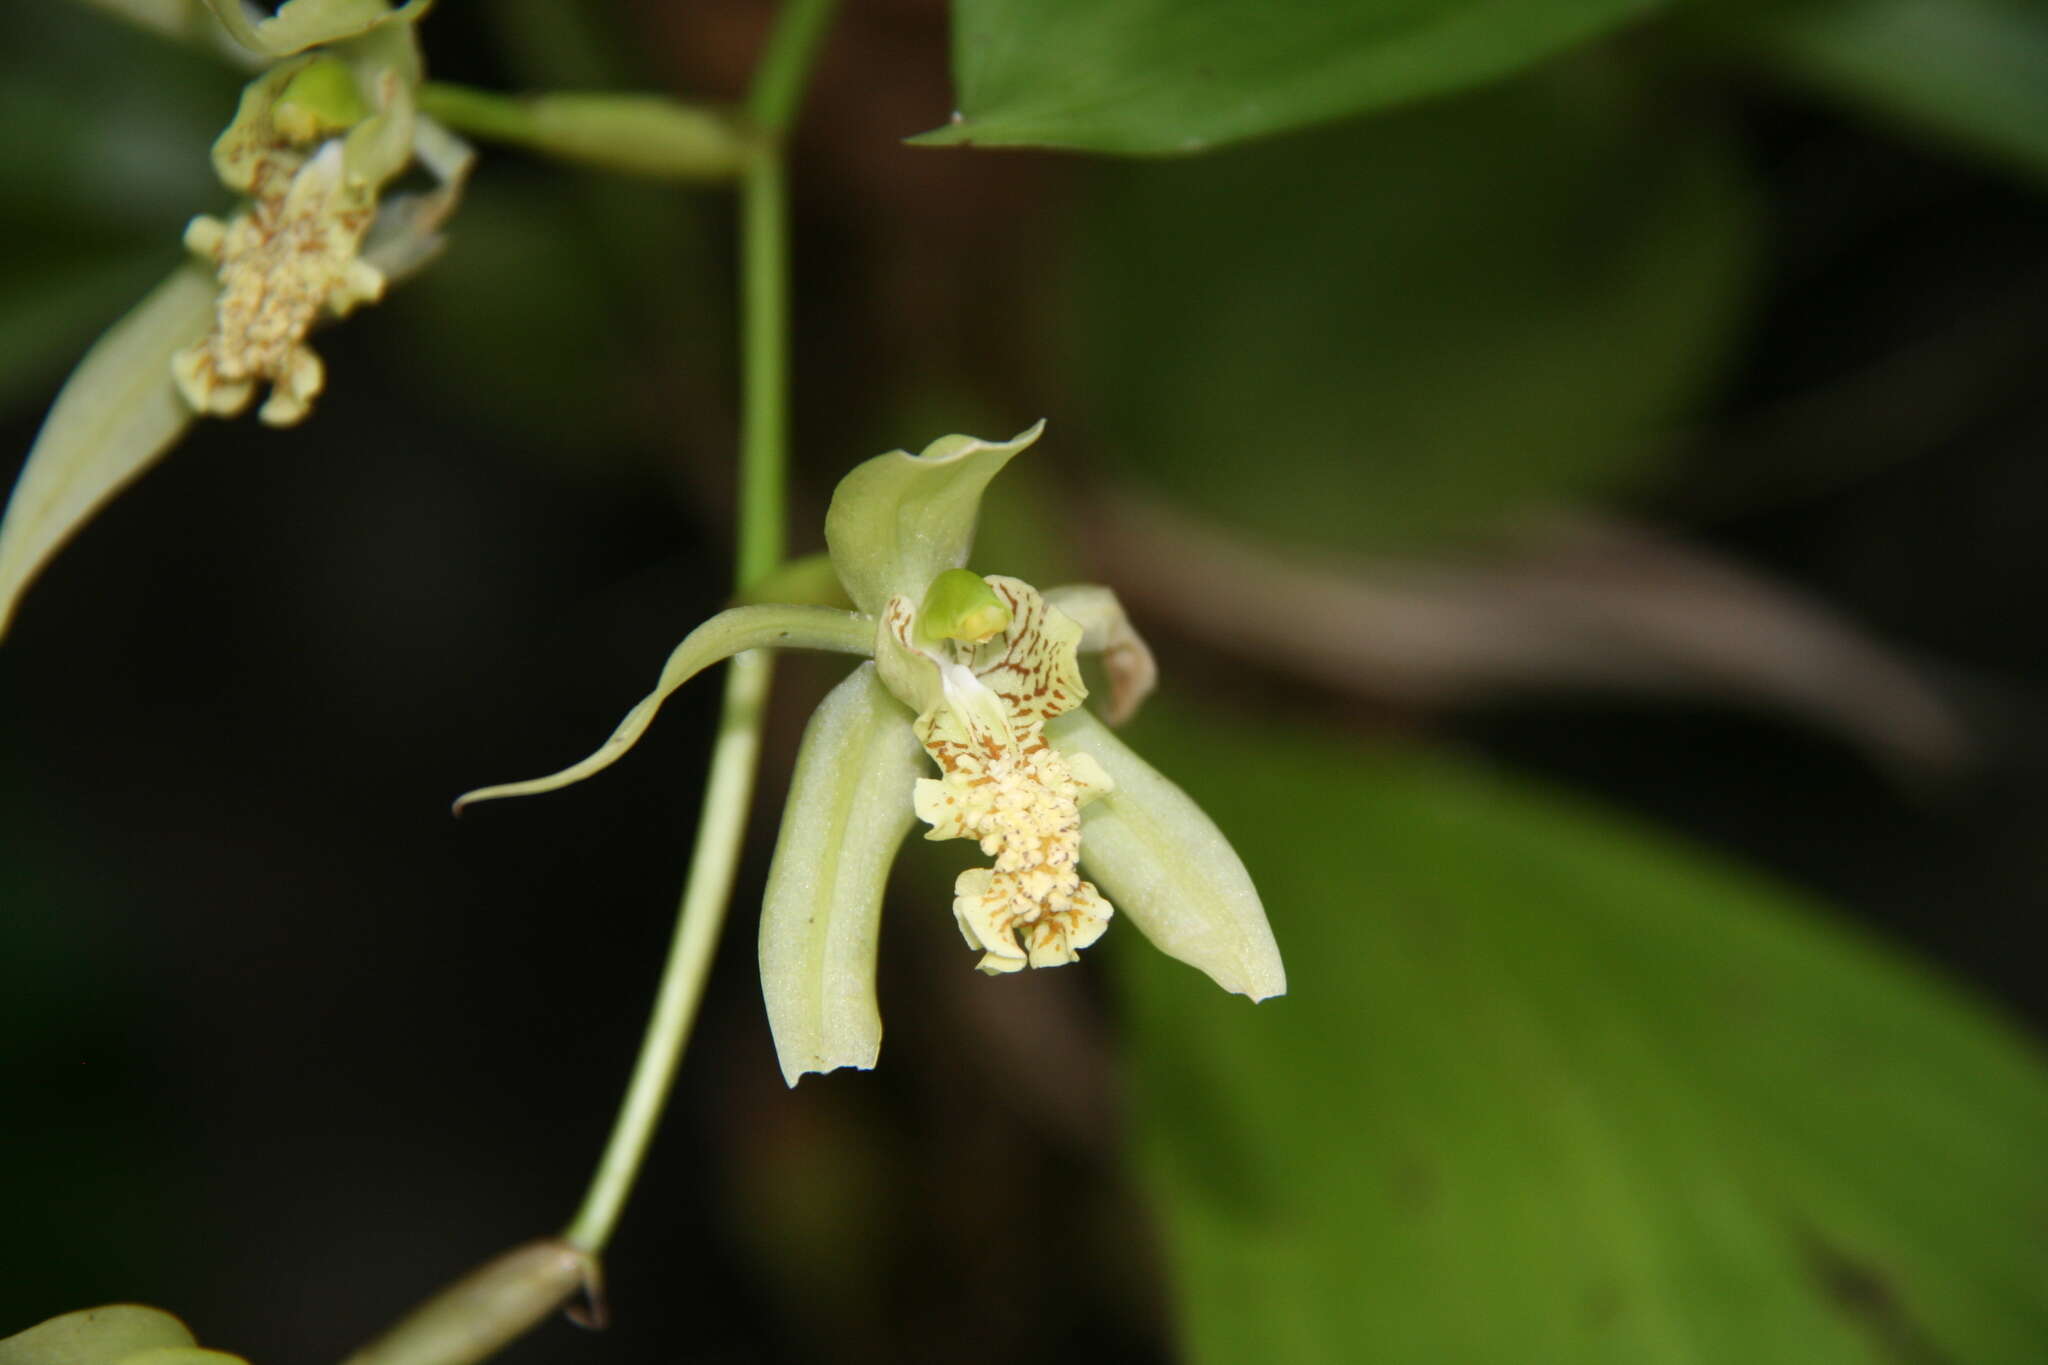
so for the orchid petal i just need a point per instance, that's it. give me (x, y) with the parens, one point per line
(117, 414)
(407, 231)
(849, 808)
(1107, 631)
(724, 635)
(899, 520)
(1167, 867)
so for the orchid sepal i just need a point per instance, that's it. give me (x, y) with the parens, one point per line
(1169, 869)
(847, 813)
(765, 626)
(900, 520)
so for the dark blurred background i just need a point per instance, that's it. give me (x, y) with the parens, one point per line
(283, 1046)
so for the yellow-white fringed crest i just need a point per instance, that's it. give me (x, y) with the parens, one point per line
(290, 256)
(1001, 783)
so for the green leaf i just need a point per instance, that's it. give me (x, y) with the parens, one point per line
(1409, 328)
(1153, 76)
(116, 415)
(768, 626)
(1168, 870)
(849, 808)
(1974, 72)
(899, 520)
(95, 1336)
(1548, 1088)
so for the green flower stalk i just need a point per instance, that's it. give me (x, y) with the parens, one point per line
(976, 677)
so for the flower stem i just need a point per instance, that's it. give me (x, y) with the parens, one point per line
(720, 831)
(633, 134)
(764, 350)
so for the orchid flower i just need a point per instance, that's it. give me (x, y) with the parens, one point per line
(314, 141)
(967, 716)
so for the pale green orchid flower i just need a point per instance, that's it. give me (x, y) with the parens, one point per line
(968, 716)
(313, 143)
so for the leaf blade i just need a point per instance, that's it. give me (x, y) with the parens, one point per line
(1547, 1089)
(1971, 72)
(1175, 76)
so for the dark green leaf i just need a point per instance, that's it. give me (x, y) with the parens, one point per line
(1410, 326)
(1971, 71)
(1151, 76)
(1547, 1088)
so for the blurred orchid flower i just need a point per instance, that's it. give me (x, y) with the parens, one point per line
(314, 141)
(979, 676)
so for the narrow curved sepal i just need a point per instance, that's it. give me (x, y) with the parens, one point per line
(116, 415)
(116, 1334)
(899, 520)
(768, 626)
(1168, 869)
(301, 24)
(849, 808)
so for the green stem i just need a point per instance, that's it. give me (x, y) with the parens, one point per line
(720, 831)
(764, 350)
(633, 134)
(764, 357)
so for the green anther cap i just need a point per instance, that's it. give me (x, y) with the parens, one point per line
(960, 605)
(318, 102)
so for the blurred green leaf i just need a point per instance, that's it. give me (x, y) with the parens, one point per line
(116, 415)
(1972, 71)
(104, 131)
(1150, 76)
(1406, 327)
(1549, 1088)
